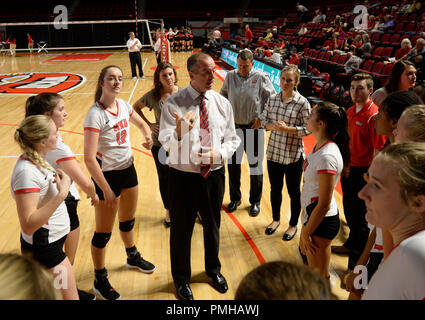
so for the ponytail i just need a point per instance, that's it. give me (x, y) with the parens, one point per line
(336, 122)
(34, 129)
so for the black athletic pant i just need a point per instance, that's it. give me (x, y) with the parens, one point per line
(136, 59)
(292, 173)
(163, 176)
(252, 143)
(355, 212)
(190, 193)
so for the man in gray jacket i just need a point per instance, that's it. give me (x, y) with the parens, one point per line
(247, 90)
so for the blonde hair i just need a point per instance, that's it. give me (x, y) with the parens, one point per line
(22, 278)
(415, 123)
(281, 280)
(296, 71)
(407, 161)
(34, 129)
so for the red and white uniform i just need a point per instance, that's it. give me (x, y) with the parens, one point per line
(28, 177)
(326, 159)
(378, 246)
(402, 275)
(114, 148)
(62, 153)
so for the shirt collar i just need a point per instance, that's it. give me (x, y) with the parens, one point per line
(195, 94)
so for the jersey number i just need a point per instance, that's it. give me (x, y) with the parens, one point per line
(121, 136)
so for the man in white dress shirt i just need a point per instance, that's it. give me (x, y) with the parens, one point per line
(134, 46)
(197, 129)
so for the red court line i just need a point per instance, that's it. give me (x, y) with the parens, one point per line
(246, 235)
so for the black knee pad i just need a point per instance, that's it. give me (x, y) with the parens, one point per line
(127, 226)
(100, 239)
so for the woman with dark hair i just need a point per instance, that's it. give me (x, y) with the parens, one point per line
(109, 160)
(402, 78)
(164, 80)
(322, 168)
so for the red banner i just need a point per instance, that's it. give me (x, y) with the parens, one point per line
(165, 49)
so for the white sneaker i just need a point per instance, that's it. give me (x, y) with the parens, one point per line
(142, 77)
(134, 78)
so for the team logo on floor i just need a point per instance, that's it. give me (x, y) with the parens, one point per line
(37, 82)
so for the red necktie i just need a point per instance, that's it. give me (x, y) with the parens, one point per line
(204, 133)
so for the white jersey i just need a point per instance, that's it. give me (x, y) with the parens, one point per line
(378, 246)
(114, 148)
(326, 159)
(28, 177)
(62, 153)
(402, 275)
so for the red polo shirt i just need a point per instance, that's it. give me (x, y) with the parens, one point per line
(364, 140)
(248, 34)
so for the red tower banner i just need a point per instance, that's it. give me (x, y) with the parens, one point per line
(165, 48)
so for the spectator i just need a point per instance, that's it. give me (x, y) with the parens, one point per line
(366, 46)
(402, 77)
(416, 55)
(269, 35)
(379, 26)
(248, 35)
(319, 18)
(354, 60)
(303, 30)
(335, 43)
(295, 60)
(405, 47)
(276, 56)
(388, 23)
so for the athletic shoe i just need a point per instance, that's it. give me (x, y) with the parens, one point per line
(103, 288)
(139, 263)
(134, 78)
(85, 295)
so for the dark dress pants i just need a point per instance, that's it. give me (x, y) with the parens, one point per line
(292, 173)
(163, 173)
(252, 143)
(355, 212)
(136, 59)
(190, 193)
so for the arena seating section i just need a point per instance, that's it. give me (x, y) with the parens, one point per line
(324, 68)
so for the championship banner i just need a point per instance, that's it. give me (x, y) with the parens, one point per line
(165, 49)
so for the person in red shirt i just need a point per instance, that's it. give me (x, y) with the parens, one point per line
(12, 45)
(248, 35)
(30, 42)
(364, 141)
(294, 57)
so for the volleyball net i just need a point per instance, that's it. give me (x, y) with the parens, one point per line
(81, 35)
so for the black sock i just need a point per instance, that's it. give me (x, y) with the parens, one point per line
(102, 273)
(131, 252)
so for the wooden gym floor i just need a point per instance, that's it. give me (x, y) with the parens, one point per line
(243, 243)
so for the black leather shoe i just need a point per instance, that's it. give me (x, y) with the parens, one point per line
(219, 282)
(288, 237)
(255, 210)
(270, 231)
(184, 292)
(233, 205)
(167, 224)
